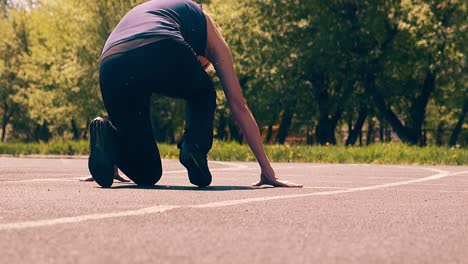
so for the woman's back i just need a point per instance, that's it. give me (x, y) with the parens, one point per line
(160, 19)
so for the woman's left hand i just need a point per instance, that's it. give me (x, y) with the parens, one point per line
(116, 176)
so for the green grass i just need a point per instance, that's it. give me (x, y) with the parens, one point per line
(391, 153)
(51, 148)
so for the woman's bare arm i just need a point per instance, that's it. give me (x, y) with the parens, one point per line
(218, 53)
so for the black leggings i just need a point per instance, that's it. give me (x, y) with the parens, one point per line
(167, 67)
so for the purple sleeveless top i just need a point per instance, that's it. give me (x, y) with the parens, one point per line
(160, 19)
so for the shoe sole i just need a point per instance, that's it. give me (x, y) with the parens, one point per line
(100, 164)
(191, 163)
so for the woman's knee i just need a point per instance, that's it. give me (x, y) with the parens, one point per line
(143, 174)
(147, 178)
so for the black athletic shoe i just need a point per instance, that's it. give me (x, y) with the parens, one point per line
(197, 165)
(101, 161)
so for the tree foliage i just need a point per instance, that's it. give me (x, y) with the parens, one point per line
(319, 70)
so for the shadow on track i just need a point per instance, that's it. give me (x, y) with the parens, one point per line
(188, 188)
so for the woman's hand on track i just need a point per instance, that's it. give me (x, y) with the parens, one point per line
(116, 176)
(275, 182)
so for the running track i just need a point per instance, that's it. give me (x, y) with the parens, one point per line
(344, 214)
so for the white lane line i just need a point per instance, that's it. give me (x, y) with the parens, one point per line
(232, 167)
(459, 173)
(346, 182)
(162, 208)
(82, 218)
(42, 180)
(431, 184)
(388, 178)
(230, 164)
(47, 180)
(325, 187)
(440, 174)
(363, 182)
(305, 166)
(426, 190)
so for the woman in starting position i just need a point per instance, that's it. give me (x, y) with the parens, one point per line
(163, 47)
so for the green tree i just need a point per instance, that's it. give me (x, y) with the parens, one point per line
(263, 39)
(424, 45)
(14, 45)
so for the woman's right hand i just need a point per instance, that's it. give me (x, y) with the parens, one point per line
(268, 177)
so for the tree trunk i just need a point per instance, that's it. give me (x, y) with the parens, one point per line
(418, 109)
(325, 131)
(381, 133)
(5, 121)
(283, 130)
(4, 125)
(170, 135)
(310, 136)
(85, 134)
(76, 132)
(423, 140)
(234, 132)
(370, 138)
(458, 128)
(269, 134)
(42, 132)
(388, 134)
(158, 133)
(412, 133)
(221, 130)
(355, 130)
(439, 133)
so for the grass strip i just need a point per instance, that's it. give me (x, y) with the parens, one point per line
(388, 153)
